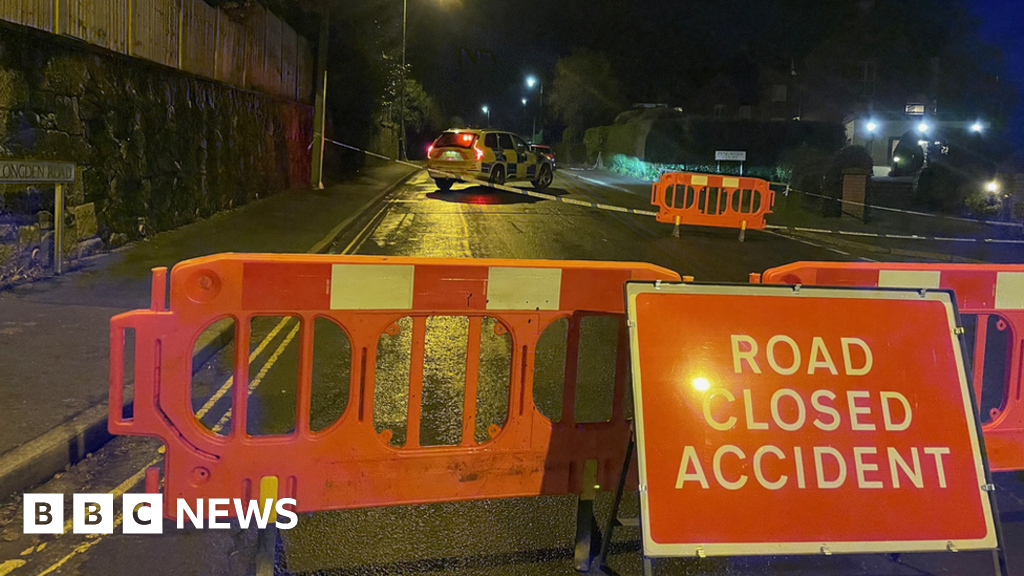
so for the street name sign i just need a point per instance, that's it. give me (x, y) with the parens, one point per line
(36, 172)
(730, 155)
(796, 420)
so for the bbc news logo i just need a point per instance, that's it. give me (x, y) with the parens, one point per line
(143, 513)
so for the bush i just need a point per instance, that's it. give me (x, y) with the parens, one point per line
(808, 166)
(982, 204)
(595, 140)
(941, 188)
(636, 168)
(571, 149)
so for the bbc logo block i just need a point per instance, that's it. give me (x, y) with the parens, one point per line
(143, 513)
(44, 514)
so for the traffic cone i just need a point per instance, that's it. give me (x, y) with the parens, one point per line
(743, 230)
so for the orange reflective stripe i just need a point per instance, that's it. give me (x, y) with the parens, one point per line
(986, 295)
(347, 464)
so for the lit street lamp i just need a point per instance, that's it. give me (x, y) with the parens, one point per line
(532, 81)
(487, 111)
(976, 127)
(872, 128)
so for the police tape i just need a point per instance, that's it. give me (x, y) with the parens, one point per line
(900, 210)
(788, 229)
(791, 229)
(477, 182)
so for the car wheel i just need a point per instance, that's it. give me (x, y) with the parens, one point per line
(497, 175)
(443, 184)
(544, 178)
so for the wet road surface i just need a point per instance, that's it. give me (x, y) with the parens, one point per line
(513, 536)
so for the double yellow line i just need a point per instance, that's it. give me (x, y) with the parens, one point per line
(134, 479)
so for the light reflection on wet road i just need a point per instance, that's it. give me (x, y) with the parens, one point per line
(507, 537)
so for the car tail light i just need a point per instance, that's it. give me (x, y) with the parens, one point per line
(430, 150)
(479, 153)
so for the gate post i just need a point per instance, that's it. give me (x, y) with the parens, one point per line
(854, 193)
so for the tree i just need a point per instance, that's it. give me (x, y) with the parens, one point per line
(423, 116)
(585, 91)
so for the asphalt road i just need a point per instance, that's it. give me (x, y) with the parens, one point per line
(516, 536)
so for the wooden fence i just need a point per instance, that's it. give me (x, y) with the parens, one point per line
(256, 50)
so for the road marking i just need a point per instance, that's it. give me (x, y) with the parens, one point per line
(119, 490)
(7, 566)
(816, 245)
(135, 478)
(227, 383)
(259, 377)
(80, 548)
(123, 486)
(605, 184)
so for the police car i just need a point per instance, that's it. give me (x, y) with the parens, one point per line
(483, 154)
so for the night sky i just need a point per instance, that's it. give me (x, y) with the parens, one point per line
(468, 53)
(1001, 23)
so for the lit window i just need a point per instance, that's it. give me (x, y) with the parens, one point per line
(915, 109)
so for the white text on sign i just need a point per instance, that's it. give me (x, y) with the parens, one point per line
(786, 409)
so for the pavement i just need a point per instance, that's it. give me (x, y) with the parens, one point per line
(514, 536)
(54, 336)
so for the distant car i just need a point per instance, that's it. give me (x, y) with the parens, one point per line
(546, 151)
(484, 154)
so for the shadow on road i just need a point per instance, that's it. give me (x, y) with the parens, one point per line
(484, 196)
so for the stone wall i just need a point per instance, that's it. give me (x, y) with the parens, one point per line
(155, 148)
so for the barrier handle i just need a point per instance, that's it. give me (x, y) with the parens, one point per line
(654, 194)
(114, 416)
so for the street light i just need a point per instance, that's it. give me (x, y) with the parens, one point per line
(401, 106)
(871, 126)
(487, 111)
(923, 127)
(524, 101)
(992, 187)
(976, 127)
(401, 113)
(532, 81)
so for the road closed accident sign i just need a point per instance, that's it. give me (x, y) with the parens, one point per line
(780, 420)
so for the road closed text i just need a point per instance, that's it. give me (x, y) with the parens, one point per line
(864, 410)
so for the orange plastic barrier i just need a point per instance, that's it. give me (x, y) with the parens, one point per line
(990, 298)
(353, 463)
(712, 200)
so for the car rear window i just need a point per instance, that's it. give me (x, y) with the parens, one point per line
(455, 140)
